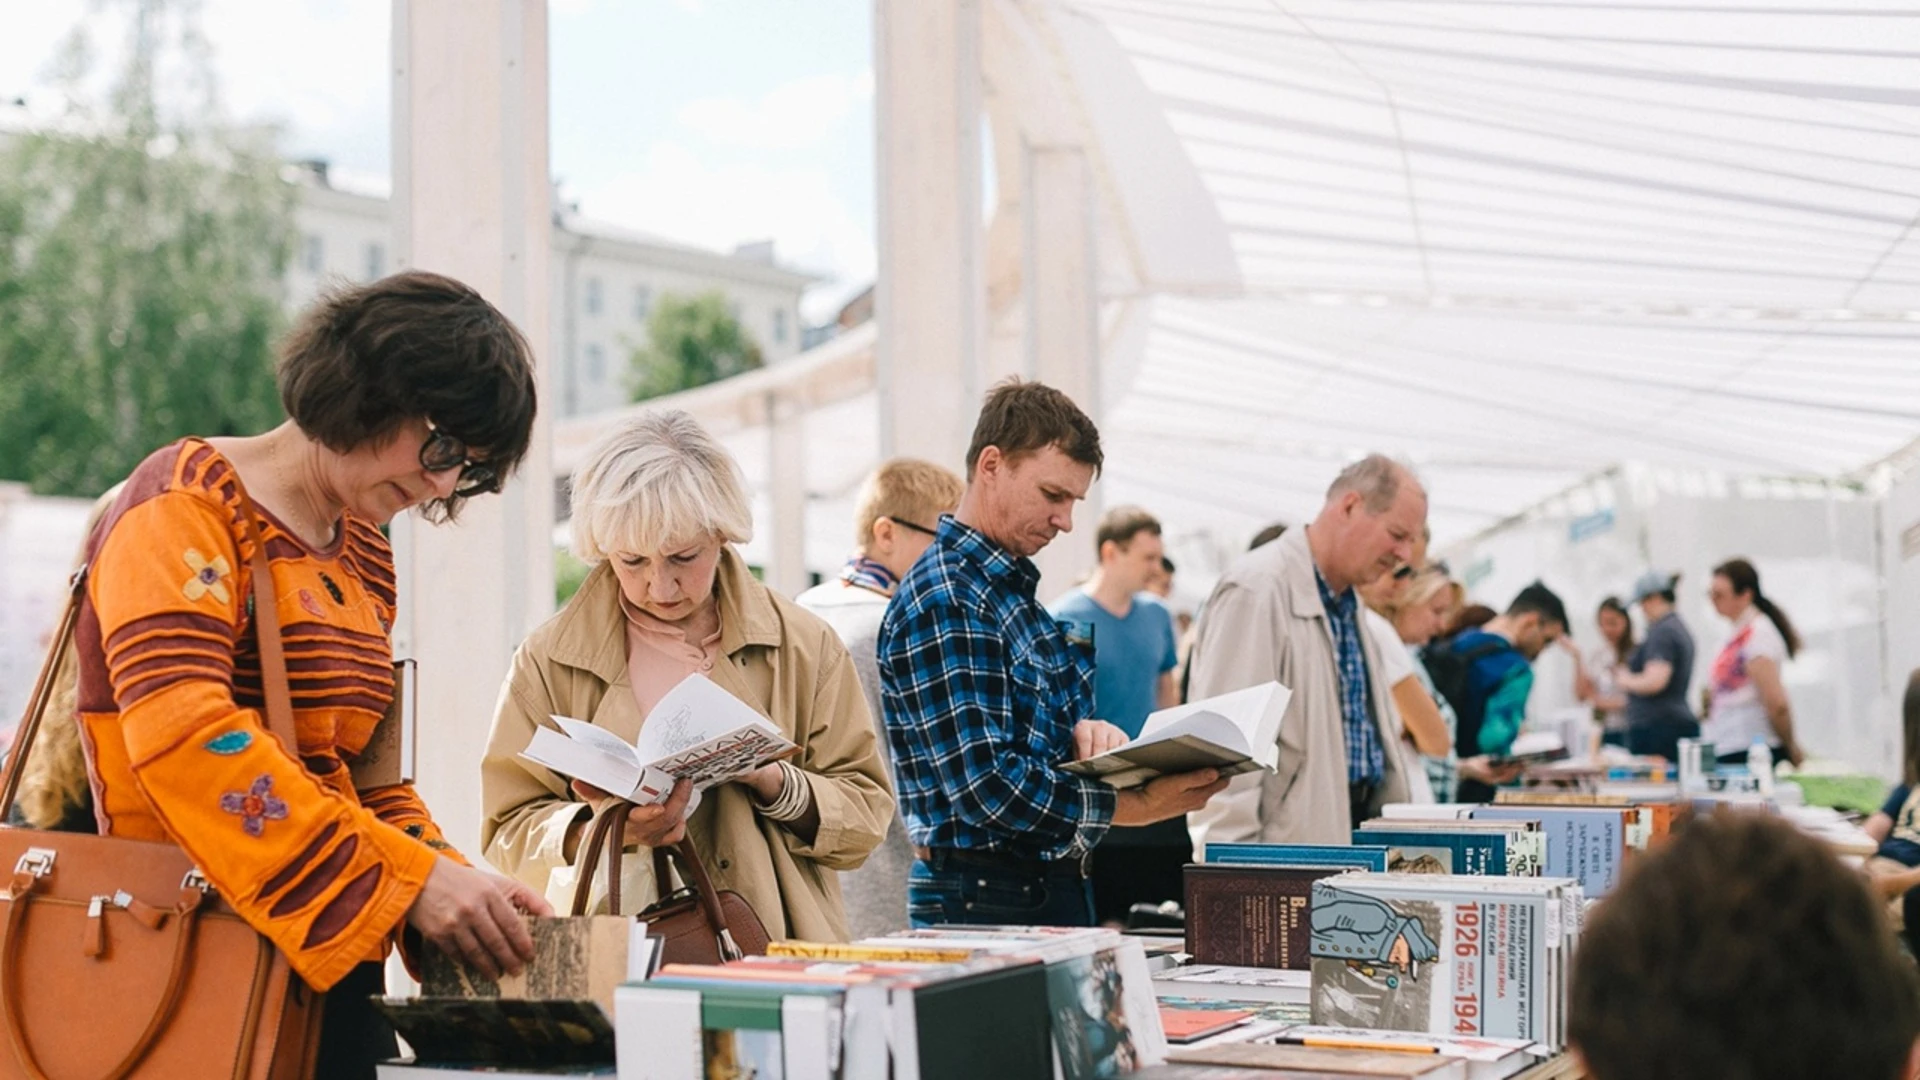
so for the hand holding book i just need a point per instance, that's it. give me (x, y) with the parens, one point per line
(697, 735)
(1168, 796)
(649, 826)
(1233, 733)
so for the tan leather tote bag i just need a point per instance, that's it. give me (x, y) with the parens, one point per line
(117, 959)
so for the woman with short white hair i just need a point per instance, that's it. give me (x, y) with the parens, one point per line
(658, 509)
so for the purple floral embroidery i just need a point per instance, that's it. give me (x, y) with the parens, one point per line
(256, 806)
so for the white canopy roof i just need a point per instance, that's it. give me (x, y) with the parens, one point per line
(1515, 241)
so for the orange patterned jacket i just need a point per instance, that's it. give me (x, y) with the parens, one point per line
(174, 718)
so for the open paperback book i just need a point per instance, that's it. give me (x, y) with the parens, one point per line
(698, 733)
(1234, 733)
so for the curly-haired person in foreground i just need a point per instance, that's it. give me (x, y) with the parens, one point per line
(1743, 949)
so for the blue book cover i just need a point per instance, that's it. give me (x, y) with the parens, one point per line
(1586, 843)
(1359, 858)
(1435, 851)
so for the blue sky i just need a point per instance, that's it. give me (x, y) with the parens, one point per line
(705, 121)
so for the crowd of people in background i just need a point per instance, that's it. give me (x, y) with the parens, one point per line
(1401, 690)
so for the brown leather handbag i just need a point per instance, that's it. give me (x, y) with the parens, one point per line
(118, 959)
(699, 923)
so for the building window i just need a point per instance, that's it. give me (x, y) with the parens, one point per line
(642, 303)
(596, 364)
(779, 326)
(315, 256)
(593, 296)
(376, 261)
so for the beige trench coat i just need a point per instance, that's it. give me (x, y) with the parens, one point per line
(1265, 621)
(786, 663)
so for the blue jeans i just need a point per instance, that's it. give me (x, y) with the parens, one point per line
(959, 889)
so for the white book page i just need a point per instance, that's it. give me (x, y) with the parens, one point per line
(692, 713)
(597, 738)
(581, 761)
(1205, 724)
(1253, 713)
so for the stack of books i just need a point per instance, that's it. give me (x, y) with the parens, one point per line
(1583, 836)
(1011, 1003)
(1445, 954)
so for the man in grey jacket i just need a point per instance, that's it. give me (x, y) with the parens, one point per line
(1288, 611)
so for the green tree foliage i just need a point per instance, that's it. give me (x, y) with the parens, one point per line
(692, 341)
(140, 261)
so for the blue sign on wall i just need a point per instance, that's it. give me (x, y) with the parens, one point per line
(1590, 526)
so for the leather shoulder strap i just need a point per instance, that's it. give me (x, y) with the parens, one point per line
(23, 735)
(266, 628)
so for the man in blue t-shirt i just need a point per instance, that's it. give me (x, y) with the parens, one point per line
(1490, 695)
(1134, 657)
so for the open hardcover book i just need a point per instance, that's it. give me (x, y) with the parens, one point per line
(697, 733)
(1234, 733)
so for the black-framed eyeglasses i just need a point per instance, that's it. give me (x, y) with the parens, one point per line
(905, 524)
(442, 451)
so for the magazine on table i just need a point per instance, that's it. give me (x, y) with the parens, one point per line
(698, 733)
(1235, 733)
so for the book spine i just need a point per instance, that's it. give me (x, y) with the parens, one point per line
(857, 954)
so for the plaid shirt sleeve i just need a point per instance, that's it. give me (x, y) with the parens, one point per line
(966, 760)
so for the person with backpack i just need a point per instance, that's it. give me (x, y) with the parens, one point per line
(1487, 675)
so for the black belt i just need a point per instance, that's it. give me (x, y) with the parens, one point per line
(1005, 862)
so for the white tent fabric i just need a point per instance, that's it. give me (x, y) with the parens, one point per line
(1516, 241)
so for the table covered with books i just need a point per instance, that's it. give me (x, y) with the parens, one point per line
(1436, 945)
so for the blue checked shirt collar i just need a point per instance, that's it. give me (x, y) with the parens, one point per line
(995, 562)
(1366, 759)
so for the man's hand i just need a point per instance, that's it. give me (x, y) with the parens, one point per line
(1092, 738)
(475, 915)
(1167, 796)
(649, 826)
(1483, 769)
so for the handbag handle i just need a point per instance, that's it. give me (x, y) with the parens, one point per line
(273, 662)
(694, 872)
(186, 921)
(602, 833)
(609, 831)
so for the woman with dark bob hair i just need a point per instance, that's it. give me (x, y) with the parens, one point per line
(410, 392)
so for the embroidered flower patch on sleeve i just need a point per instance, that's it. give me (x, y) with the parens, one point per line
(256, 806)
(209, 576)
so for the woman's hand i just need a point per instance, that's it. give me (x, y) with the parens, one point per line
(475, 915)
(649, 826)
(766, 782)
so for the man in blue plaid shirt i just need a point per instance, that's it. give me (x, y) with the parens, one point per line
(985, 695)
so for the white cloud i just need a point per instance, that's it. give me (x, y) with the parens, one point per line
(678, 196)
(791, 116)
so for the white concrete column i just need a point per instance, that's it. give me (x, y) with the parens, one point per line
(787, 481)
(1063, 319)
(471, 200)
(929, 298)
